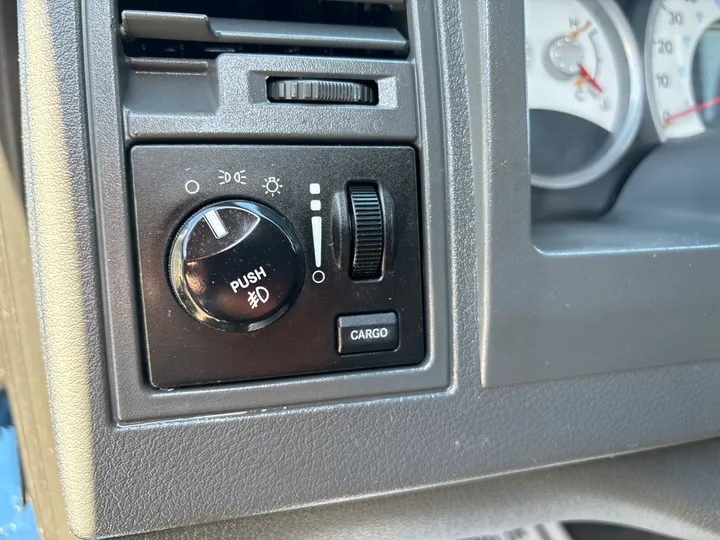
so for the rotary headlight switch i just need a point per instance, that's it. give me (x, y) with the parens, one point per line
(236, 266)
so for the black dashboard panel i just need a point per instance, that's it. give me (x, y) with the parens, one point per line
(309, 187)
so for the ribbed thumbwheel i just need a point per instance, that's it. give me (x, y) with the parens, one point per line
(367, 231)
(321, 91)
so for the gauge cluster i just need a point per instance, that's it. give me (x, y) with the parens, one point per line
(610, 81)
(682, 60)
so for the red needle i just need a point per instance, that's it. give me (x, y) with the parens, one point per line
(695, 108)
(585, 74)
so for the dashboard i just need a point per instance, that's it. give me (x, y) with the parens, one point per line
(608, 83)
(333, 258)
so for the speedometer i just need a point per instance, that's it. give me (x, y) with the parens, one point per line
(585, 89)
(682, 58)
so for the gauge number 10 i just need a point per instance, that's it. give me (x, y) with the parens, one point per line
(662, 80)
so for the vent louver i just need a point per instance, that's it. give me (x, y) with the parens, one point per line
(204, 29)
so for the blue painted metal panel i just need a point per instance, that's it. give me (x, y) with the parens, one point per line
(17, 520)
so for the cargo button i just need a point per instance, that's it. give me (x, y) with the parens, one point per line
(369, 332)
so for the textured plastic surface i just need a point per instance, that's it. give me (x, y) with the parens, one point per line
(670, 492)
(125, 479)
(229, 101)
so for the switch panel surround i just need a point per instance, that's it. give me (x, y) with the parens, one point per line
(308, 187)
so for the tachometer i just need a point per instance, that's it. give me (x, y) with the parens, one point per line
(682, 58)
(585, 89)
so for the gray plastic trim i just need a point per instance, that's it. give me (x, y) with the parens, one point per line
(194, 27)
(243, 112)
(597, 307)
(232, 102)
(670, 492)
(159, 475)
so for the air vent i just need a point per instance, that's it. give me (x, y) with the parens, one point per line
(204, 29)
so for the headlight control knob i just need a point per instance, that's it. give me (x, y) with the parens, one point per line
(236, 266)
